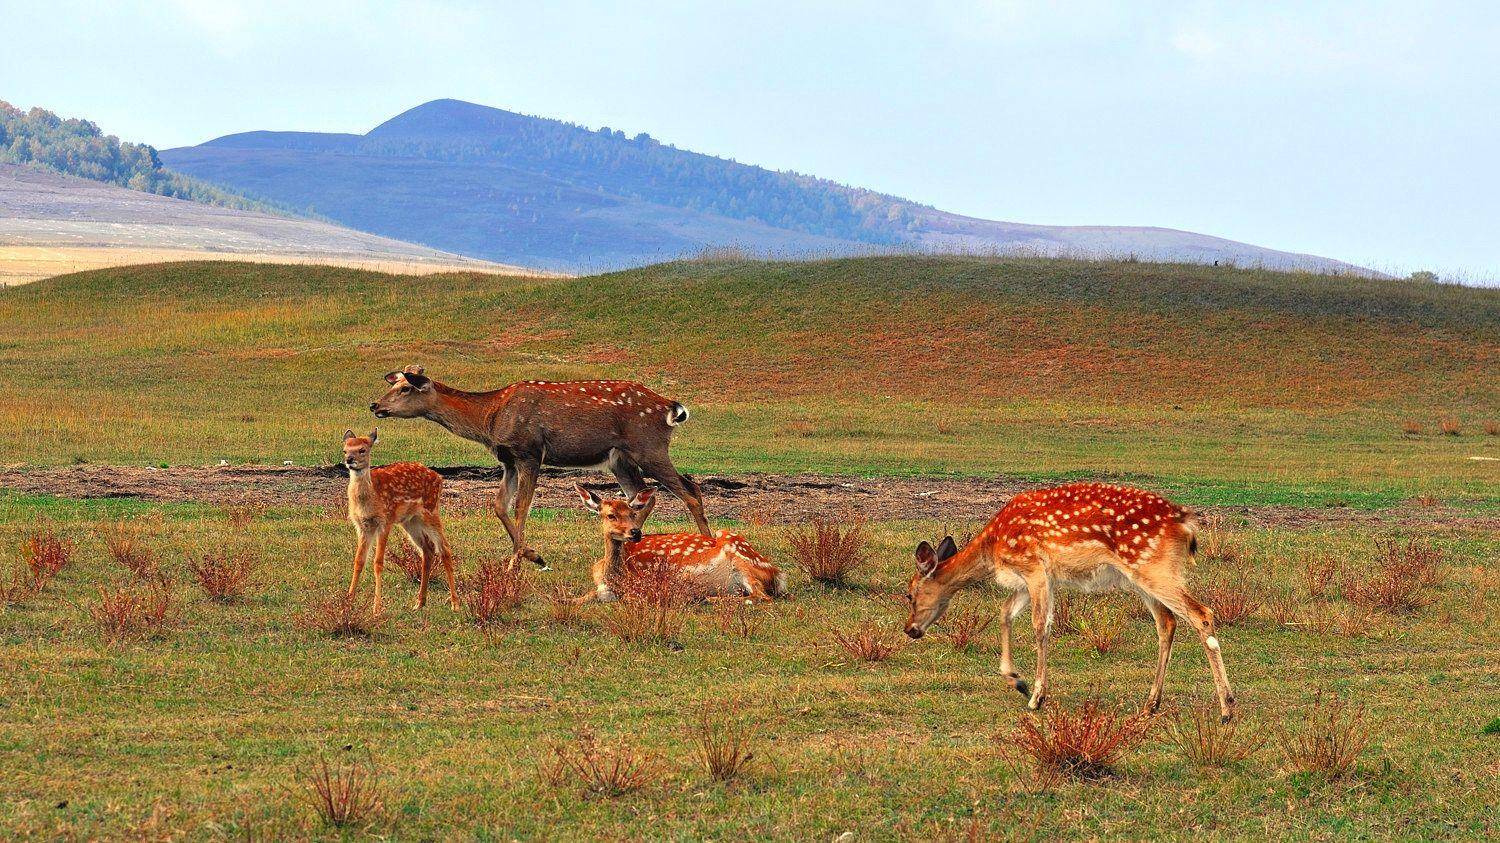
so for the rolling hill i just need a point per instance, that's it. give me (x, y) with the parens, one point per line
(494, 184)
(51, 224)
(1293, 387)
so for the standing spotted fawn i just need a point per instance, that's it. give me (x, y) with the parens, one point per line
(404, 494)
(1087, 535)
(724, 565)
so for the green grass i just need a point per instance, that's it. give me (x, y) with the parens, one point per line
(1224, 385)
(199, 734)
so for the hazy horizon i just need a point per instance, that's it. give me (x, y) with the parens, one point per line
(1361, 133)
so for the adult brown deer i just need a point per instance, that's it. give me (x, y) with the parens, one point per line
(1088, 535)
(721, 565)
(403, 494)
(619, 425)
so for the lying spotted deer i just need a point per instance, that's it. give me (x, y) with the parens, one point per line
(724, 565)
(1092, 536)
(403, 494)
(619, 425)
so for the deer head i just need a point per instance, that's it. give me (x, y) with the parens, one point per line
(410, 395)
(927, 595)
(357, 449)
(619, 519)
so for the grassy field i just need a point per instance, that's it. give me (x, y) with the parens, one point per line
(204, 731)
(1219, 384)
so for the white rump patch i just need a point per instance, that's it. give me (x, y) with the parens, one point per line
(1212, 642)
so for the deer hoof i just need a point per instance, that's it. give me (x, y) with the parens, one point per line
(1022, 688)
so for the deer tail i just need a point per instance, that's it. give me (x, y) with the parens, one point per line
(676, 414)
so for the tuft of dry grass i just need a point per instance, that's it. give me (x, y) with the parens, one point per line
(1083, 743)
(1332, 736)
(1450, 426)
(1319, 574)
(562, 606)
(339, 614)
(868, 643)
(493, 591)
(828, 551)
(222, 574)
(1398, 581)
(1206, 741)
(134, 612)
(242, 515)
(1216, 543)
(46, 553)
(600, 769)
(405, 557)
(652, 606)
(963, 629)
(723, 747)
(1492, 428)
(343, 795)
(128, 548)
(1101, 623)
(1411, 428)
(1233, 600)
(738, 618)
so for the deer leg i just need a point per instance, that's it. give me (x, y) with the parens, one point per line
(1013, 608)
(360, 550)
(419, 538)
(1166, 628)
(1175, 597)
(626, 473)
(1041, 624)
(684, 487)
(380, 541)
(525, 489)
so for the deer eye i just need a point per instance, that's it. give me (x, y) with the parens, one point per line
(405, 389)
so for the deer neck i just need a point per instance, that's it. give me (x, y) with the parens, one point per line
(463, 413)
(362, 497)
(972, 565)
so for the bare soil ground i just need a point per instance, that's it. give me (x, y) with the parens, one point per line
(766, 498)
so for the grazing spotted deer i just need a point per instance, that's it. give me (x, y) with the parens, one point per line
(619, 425)
(1092, 536)
(403, 494)
(724, 565)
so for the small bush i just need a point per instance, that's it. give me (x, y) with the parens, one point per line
(1065, 612)
(1411, 428)
(127, 547)
(562, 606)
(242, 515)
(1101, 625)
(1215, 542)
(963, 629)
(341, 615)
(738, 618)
(493, 591)
(1492, 428)
(21, 585)
(1399, 578)
(867, 643)
(46, 553)
(1331, 739)
(1319, 574)
(652, 605)
(828, 551)
(1086, 743)
(403, 556)
(1450, 426)
(134, 612)
(1232, 600)
(723, 748)
(600, 769)
(222, 574)
(343, 795)
(1206, 741)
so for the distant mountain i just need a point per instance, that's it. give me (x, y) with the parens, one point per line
(504, 186)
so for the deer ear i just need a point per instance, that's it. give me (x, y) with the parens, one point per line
(590, 499)
(946, 549)
(374, 434)
(392, 377)
(641, 498)
(416, 380)
(348, 434)
(926, 559)
(413, 370)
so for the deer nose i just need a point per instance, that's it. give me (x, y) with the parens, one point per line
(635, 534)
(913, 632)
(373, 405)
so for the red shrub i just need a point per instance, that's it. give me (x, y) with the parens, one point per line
(134, 611)
(221, 574)
(1085, 743)
(828, 551)
(495, 589)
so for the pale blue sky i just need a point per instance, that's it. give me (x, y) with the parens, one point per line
(1361, 131)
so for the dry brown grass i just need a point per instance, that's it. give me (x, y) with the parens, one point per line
(222, 574)
(1492, 428)
(1411, 428)
(723, 747)
(126, 545)
(138, 611)
(46, 553)
(599, 769)
(652, 606)
(1398, 580)
(562, 606)
(403, 556)
(1216, 543)
(738, 618)
(1101, 624)
(344, 795)
(493, 591)
(1319, 573)
(828, 551)
(242, 515)
(963, 629)
(338, 614)
(1333, 735)
(1206, 741)
(1450, 426)
(1085, 743)
(1233, 599)
(868, 643)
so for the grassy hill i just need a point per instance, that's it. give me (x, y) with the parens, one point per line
(1224, 384)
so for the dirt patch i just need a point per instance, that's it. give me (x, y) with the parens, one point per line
(768, 498)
